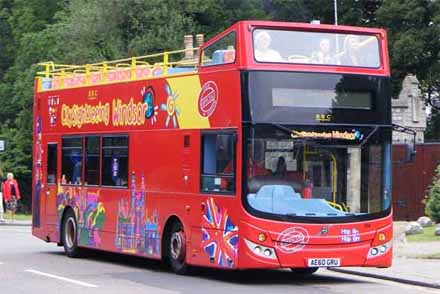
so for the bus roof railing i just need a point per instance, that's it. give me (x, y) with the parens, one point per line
(63, 76)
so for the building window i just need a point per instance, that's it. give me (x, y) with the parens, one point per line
(115, 161)
(52, 163)
(71, 169)
(218, 163)
(92, 161)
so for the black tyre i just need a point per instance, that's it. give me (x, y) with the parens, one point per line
(177, 249)
(304, 271)
(70, 235)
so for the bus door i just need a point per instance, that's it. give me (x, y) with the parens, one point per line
(49, 190)
(215, 232)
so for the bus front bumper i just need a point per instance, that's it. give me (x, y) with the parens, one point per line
(257, 255)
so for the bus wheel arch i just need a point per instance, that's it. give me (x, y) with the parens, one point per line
(174, 245)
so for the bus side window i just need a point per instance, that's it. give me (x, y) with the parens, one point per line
(218, 163)
(92, 161)
(115, 161)
(220, 52)
(71, 165)
(52, 163)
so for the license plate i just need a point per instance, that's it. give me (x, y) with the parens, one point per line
(323, 262)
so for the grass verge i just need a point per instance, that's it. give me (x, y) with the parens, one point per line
(428, 235)
(20, 216)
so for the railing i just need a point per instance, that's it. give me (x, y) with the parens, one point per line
(62, 76)
(341, 207)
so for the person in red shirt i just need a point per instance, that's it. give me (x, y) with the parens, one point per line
(1, 197)
(11, 193)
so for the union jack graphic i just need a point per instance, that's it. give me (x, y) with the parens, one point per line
(219, 235)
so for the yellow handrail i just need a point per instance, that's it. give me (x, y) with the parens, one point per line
(338, 206)
(64, 71)
(126, 61)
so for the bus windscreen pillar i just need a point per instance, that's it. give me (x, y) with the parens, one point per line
(354, 180)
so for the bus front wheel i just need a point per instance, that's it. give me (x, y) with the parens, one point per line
(70, 235)
(177, 249)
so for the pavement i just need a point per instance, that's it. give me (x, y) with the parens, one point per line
(408, 266)
(16, 223)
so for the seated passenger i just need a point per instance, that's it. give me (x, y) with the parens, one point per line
(281, 169)
(307, 189)
(263, 52)
(323, 55)
(350, 54)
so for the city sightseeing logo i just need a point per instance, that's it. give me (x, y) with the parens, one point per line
(353, 135)
(208, 99)
(292, 240)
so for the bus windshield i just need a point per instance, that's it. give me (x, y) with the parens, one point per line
(317, 171)
(316, 48)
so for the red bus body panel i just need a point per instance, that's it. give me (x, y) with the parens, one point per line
(164, 171)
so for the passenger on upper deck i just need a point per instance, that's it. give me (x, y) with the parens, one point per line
(323, 55)
(263, 52)
(350, 55)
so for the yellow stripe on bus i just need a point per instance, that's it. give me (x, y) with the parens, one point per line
(187, 89)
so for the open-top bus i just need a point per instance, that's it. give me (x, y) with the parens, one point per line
(272, 149)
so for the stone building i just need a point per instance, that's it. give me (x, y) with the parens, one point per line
(409, 110)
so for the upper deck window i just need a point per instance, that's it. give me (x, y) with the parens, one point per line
(316, 48)
(220, 52)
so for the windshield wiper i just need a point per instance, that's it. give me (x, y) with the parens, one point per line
(369, 136)
(281, 127)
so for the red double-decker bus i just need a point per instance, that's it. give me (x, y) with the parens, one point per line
(271, 149)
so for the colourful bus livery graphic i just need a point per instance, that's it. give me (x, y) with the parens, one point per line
(136, 232)
(219, 235)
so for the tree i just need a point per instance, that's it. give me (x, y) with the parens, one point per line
(432, 208)
(413, 38)
(20, 22)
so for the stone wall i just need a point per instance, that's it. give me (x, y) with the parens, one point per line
(409, 110)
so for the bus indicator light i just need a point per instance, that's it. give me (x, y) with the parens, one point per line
(262, 237)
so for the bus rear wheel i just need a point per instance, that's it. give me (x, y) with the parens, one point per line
(307, 271)
(70, 235)
(177, 249)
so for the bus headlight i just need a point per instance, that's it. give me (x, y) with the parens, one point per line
(379, 250)
(260, 250)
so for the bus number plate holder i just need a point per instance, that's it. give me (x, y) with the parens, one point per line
(323, 262)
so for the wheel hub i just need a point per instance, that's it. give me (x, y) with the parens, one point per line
(70, 232)
(177, 245)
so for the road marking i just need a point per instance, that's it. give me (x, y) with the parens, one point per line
(61, 278)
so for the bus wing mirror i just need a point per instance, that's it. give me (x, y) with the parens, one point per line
(410, 148)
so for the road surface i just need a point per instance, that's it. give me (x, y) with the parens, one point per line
(29, 265)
